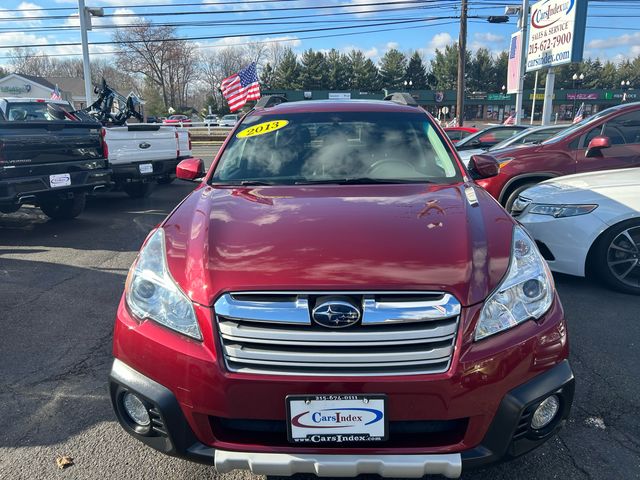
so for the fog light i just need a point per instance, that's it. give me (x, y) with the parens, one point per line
(136, 409)
(545, 413)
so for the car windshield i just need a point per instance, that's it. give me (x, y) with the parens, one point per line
(344, 147)
(578, 126)
(489, 135)
(38, 112)
(527, 136)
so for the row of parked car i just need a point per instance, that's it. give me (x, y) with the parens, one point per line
(558, 181)
(52, 156)
(185, 121)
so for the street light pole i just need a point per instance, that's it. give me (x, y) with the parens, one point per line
(524, 22)
(462, 53)
(85, 24)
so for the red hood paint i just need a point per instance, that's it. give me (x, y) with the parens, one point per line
(369, 237)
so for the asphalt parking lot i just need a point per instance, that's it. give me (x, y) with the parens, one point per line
(61, 282)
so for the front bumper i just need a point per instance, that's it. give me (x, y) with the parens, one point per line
(498, 389)
(564, 242)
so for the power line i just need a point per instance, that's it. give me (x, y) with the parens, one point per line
(216, 37)
(226, 12)
(280, 40)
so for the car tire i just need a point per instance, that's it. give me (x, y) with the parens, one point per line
(617, 257)
(138, 190)
(512, 195)
(63, 208)
(166, 180)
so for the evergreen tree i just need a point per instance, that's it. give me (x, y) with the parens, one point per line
(480, 72)
(499, 75)
(393, 67)
(313, 72)
(337, 70)
(363, 73)
(287, 75)
(444, 67)
(416, 72)
(266, 76)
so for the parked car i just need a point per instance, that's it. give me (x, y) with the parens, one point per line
(335, 297)
(588, 223)
(229, 120)
(211, 121)
(531, 135)
(49, 157)
(489, 137)
(181, 120)
(456, 134)
(152, 119)
(608, 140)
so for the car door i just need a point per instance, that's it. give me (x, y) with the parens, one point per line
(623, 132)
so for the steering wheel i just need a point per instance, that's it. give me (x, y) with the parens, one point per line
(386, 161)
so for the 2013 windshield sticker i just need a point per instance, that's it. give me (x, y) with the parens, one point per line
(262, 128)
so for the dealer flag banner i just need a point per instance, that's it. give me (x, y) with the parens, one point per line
(556, 33)
(513, 69)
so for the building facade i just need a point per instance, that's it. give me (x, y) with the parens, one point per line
(29, 86)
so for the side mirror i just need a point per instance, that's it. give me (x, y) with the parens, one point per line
(190, 169)
(483, 166)
(596, 145)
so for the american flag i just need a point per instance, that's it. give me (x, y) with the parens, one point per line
(579, 114)
(241, 87)
(55, 95)
(511, 119)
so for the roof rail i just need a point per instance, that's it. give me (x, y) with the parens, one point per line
(402, 98)
(270, 101)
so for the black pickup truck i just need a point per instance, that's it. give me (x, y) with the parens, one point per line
(49, 157)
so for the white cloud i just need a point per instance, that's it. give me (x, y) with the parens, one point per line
(611, 42)
(489, 37)
(371, 53)
(74, 21)
(364, 7)
(30, 10)
(391, 45)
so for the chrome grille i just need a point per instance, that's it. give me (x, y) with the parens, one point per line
(400, 333)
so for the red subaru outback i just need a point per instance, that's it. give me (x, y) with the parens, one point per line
(338, 297)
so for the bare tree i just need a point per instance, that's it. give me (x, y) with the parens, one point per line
(155, 53)
(29, 62)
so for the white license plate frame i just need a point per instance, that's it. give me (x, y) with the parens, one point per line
(60, 180)
(323, 430)
(145, 168)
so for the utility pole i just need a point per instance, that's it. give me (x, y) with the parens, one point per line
(85, 24)
(524, 23)
(462, 54)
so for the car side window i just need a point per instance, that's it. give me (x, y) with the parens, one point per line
(624, 129)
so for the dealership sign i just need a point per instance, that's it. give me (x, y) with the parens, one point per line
(556, 33)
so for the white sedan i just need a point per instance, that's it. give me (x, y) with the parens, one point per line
(588, 223)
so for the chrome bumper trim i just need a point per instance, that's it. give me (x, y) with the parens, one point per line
(282, 464)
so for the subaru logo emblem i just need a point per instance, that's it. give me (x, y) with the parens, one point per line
(336, 314)
(144, 145)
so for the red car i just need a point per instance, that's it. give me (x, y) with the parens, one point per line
(456, 134)
(608, 140)
(337, 297)
(178, 120)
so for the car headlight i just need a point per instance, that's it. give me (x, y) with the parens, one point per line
(561, 211)
(526, 291)
(151, 292)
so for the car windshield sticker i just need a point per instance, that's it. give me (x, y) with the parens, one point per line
(262, 128)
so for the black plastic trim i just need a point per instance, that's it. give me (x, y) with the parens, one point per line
(499, 443)
(179, 440)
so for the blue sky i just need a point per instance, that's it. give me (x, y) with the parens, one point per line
(612, 26)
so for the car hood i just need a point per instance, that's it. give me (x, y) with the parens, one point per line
(585, 187)
(385, 237)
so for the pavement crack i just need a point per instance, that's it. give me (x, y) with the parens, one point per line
(573, 460)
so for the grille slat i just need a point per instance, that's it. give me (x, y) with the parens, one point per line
(277, 338)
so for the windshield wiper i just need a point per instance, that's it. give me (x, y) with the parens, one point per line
(243, 183)
(358, 181)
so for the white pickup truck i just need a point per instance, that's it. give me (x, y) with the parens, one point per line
(142, 154)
